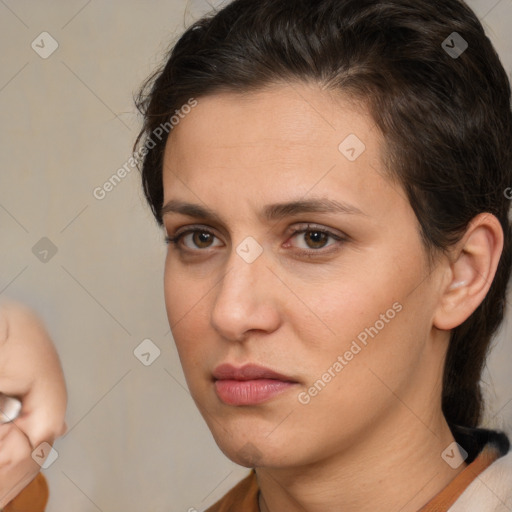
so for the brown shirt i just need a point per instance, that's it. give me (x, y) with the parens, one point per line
(32, 499)
(244, 496)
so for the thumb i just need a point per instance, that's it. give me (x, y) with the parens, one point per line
(42, 420)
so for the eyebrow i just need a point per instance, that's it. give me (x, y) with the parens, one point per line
(271, 212)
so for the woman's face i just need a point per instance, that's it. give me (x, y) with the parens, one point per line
(304, 261)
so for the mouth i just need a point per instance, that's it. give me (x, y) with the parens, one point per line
(250, 384)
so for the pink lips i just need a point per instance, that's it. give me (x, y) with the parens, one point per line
(249, 384)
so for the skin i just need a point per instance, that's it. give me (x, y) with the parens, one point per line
(373, 437)
(30, 370)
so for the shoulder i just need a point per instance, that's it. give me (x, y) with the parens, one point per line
(244, 496)
(491, 491)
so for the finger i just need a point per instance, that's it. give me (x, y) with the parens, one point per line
(43, 414)
(17, 469)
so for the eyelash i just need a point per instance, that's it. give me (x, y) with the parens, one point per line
(176, 239)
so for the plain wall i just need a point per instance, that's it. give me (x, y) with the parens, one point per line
(136, 440)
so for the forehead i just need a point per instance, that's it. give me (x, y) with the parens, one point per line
(286, 137)
(298, 115)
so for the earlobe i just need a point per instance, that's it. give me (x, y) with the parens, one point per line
(470, 271)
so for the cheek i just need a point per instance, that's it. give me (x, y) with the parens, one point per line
(355, 381)
(369, 317)
(338, 309)
(185, 301)
(181, 292)
(376, 359)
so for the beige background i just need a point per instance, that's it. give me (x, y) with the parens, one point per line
(136, 441)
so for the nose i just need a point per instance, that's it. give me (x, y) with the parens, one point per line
(247, 299)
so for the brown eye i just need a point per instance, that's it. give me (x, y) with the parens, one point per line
(316, 239)
(197, 239)
(202, 239)
(312, 239)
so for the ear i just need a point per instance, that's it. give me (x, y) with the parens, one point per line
(472, 266)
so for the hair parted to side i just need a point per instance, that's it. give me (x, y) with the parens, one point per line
(447, 122)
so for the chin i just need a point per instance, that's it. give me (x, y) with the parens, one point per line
(254, 451)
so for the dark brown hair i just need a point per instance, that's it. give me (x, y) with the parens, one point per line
(446, 119)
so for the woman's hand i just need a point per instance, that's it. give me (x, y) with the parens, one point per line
(30, 370)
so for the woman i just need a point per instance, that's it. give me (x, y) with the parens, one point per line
(331, 178)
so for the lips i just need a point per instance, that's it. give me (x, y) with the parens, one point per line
(247, 372)
(249, 384)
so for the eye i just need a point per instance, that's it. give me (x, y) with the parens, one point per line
(314, 238)
(198, 238)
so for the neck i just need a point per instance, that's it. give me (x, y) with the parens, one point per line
(402, 474)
